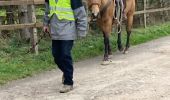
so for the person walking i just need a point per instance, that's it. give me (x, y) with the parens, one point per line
(64, 20)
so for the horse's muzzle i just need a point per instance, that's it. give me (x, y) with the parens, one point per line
(94, 16)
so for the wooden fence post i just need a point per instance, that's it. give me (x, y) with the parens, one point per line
(162, 13)
(0, 24)
(145, 14)
(34, 36)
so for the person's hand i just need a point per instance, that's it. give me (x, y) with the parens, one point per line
(46, 29)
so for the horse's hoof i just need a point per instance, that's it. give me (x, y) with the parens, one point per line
(107, 62)
(121, 49)
(104, 63)
(125, 52)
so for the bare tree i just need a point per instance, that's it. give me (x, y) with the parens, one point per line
(23, 18)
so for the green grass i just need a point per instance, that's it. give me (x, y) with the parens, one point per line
(16, 64)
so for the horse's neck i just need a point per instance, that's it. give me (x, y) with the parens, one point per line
(105, 5)
(105, 2)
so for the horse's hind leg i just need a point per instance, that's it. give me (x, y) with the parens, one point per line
(128, 29)
(119, 39)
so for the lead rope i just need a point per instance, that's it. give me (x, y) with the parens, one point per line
(34, 45)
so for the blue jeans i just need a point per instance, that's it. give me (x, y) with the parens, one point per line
(61, 50)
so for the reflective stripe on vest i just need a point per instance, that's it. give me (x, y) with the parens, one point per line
(62, 9)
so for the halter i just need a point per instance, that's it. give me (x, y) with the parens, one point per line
(104, 8)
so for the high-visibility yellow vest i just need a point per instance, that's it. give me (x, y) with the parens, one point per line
(62, 9)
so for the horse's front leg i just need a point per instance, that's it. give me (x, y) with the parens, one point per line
(107, 49)
(128, 29)
(127, 42)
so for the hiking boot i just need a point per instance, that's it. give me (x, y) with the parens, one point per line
(66, 88)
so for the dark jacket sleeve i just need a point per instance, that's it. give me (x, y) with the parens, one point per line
(80, 16)
(46, 18)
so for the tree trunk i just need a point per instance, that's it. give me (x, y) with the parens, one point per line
(166, 15)
(9, 20)
(34, 36)
(23, 18)
(162, 13)
(10, 15)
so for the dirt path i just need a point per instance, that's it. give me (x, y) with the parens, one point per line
(143, 74)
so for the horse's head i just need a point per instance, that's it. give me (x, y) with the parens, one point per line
(94, 7)
(99, 7)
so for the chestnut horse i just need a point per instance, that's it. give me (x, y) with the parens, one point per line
(104, 13)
